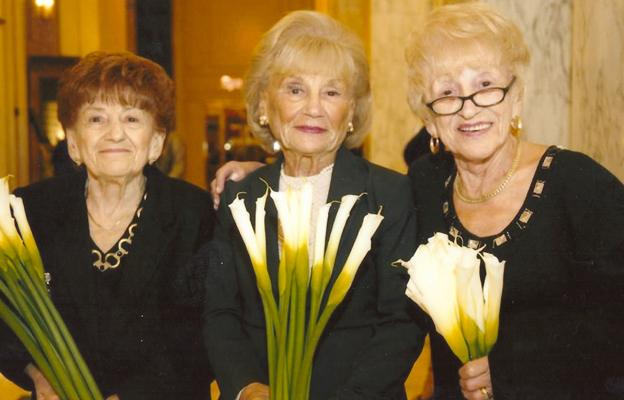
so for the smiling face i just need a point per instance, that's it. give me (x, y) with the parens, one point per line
(113, 140)
(474, 133)
(308, 113)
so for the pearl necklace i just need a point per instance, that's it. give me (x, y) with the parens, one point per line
(481, 199)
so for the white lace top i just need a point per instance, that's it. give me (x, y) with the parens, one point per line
(320, 189)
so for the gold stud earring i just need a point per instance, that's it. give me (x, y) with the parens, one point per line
(516, 126)
(350, 127)
(434, 145)
(263, 121)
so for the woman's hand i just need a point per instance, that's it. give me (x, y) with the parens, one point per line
(113, 397)
(475, 380)
(42, 386)
(234, 170)
(255, 391)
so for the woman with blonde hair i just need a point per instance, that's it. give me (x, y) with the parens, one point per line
(308, 88)
(555, 216)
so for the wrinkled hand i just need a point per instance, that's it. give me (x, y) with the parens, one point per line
(113, 397)
(474, 376)
(234, 170)
(42, 386)
(255, 391)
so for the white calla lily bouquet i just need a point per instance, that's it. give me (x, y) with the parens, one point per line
(445, 282)
(295, 319)
(26, 307)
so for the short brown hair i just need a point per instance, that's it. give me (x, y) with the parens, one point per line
(310, 41)
(125, 78)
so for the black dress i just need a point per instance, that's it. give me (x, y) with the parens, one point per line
(136, 325)
(561, 332)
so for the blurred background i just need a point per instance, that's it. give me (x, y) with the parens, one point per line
(575, 93)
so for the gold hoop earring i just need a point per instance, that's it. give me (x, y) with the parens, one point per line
(434, 145)
(263, 121)
(516, 126)
(350, 127)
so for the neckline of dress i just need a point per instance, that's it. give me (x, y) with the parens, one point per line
(296, 179)
(519, 222)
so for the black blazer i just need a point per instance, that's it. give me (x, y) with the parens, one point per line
(371, 342)
(155, 348)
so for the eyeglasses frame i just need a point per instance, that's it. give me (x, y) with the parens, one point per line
(471, 98)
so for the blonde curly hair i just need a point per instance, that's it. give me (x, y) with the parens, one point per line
(311, 42)
(451, 31)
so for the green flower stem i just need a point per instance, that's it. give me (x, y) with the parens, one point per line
(291, 336)
(59, 334)
(289, 255)
(270, 333)
(299, 342)
(304, 378)
(53, 357)
(301, 286)
(25, 336)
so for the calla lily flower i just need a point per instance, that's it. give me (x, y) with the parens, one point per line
(257, 255)
(492, 293)
(291, 342)
(361, 247)
(445, 283)
(470, 300)
(433, 287)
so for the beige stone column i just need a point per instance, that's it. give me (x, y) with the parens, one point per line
(597, 114)
(13, 110)
(393, 122)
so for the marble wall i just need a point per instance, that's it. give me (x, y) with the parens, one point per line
(597, 113)
(393, 123)
(546, 25)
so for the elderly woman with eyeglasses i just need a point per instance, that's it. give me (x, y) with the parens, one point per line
(555, 216)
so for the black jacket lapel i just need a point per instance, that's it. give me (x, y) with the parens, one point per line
(153, 237)
(270, 174)
(72, 257)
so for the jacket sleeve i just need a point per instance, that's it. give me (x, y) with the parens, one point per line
(382, 369)
(594, 203)
(230, 350)
(13, 358)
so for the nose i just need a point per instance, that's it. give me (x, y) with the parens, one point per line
(313, 105)
(116, 130)
(469, 109)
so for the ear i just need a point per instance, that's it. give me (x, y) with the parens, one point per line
(72, 146)
(156, 146)
(352, 105)
(516, 106)
(431, 128)
(262, 104)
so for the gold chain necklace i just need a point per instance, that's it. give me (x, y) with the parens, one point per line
(101, 225)
(474, 200)
(115, 224)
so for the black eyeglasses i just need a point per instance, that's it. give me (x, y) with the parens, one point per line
(489, 97)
